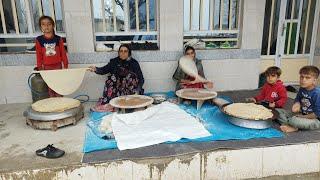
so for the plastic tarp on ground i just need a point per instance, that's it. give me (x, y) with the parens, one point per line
(210, 116)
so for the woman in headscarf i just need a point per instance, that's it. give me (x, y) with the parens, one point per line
(186, 81)
(125, 76)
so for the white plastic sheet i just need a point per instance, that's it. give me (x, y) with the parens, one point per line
(157, 124)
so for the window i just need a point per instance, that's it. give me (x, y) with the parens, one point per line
(297, 28)
(211, 24)
(126, 21)
(19, 22)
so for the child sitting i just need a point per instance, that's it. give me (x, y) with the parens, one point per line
(307, 103)
(273, 93)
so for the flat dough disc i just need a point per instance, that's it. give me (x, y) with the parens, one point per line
(189, 67)
(64, 81)
(55, 104)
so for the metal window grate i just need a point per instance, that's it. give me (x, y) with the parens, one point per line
(127, 21)
(212, 23)
(19, 22)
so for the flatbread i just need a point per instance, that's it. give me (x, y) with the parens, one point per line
(249, 111)
(64, 81)
(55, 104)
(189, 67)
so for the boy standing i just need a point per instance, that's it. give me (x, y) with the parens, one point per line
(307, 103)
(273, 93)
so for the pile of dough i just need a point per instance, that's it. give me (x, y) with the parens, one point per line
(248, 111)
(55, 104)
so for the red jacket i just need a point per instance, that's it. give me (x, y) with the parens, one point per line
(50, 52)
(273, 93)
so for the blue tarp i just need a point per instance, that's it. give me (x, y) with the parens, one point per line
(212, 118)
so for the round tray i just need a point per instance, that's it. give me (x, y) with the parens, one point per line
(180, 93)
(32, 114)
(114, 103)
(248, 123)
(252, 124)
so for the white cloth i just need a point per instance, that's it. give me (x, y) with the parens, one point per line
(136, 117)
(160, 123)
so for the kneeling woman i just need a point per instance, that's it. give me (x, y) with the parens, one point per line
(125, 76)
(186, 81)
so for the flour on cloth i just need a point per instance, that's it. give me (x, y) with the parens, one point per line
(105, 126)
(64, 81)
(160, 123)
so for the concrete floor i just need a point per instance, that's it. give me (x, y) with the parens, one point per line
(20, 141)
(311, 176)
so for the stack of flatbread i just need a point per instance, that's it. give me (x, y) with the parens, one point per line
(249, 111)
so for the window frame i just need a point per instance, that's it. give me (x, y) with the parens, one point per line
(203, 33)
(127, 31)
(31, 33)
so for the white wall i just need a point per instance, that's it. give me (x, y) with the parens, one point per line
(252, 28)
(227, 74)
(78, 23)
(317, 52)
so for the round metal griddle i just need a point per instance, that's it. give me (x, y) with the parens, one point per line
(53, 120)
(41, 116)
(248, 123)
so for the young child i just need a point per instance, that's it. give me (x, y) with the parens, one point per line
(307, 103)
(273, 93)
(50, 49)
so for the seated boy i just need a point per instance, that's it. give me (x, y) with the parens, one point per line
(307, 103)
(273, 93)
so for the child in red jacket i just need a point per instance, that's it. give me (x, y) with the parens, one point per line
(50, 49)
(273, 92)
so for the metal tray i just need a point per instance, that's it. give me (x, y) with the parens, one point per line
(32, 114)
(247, 123)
